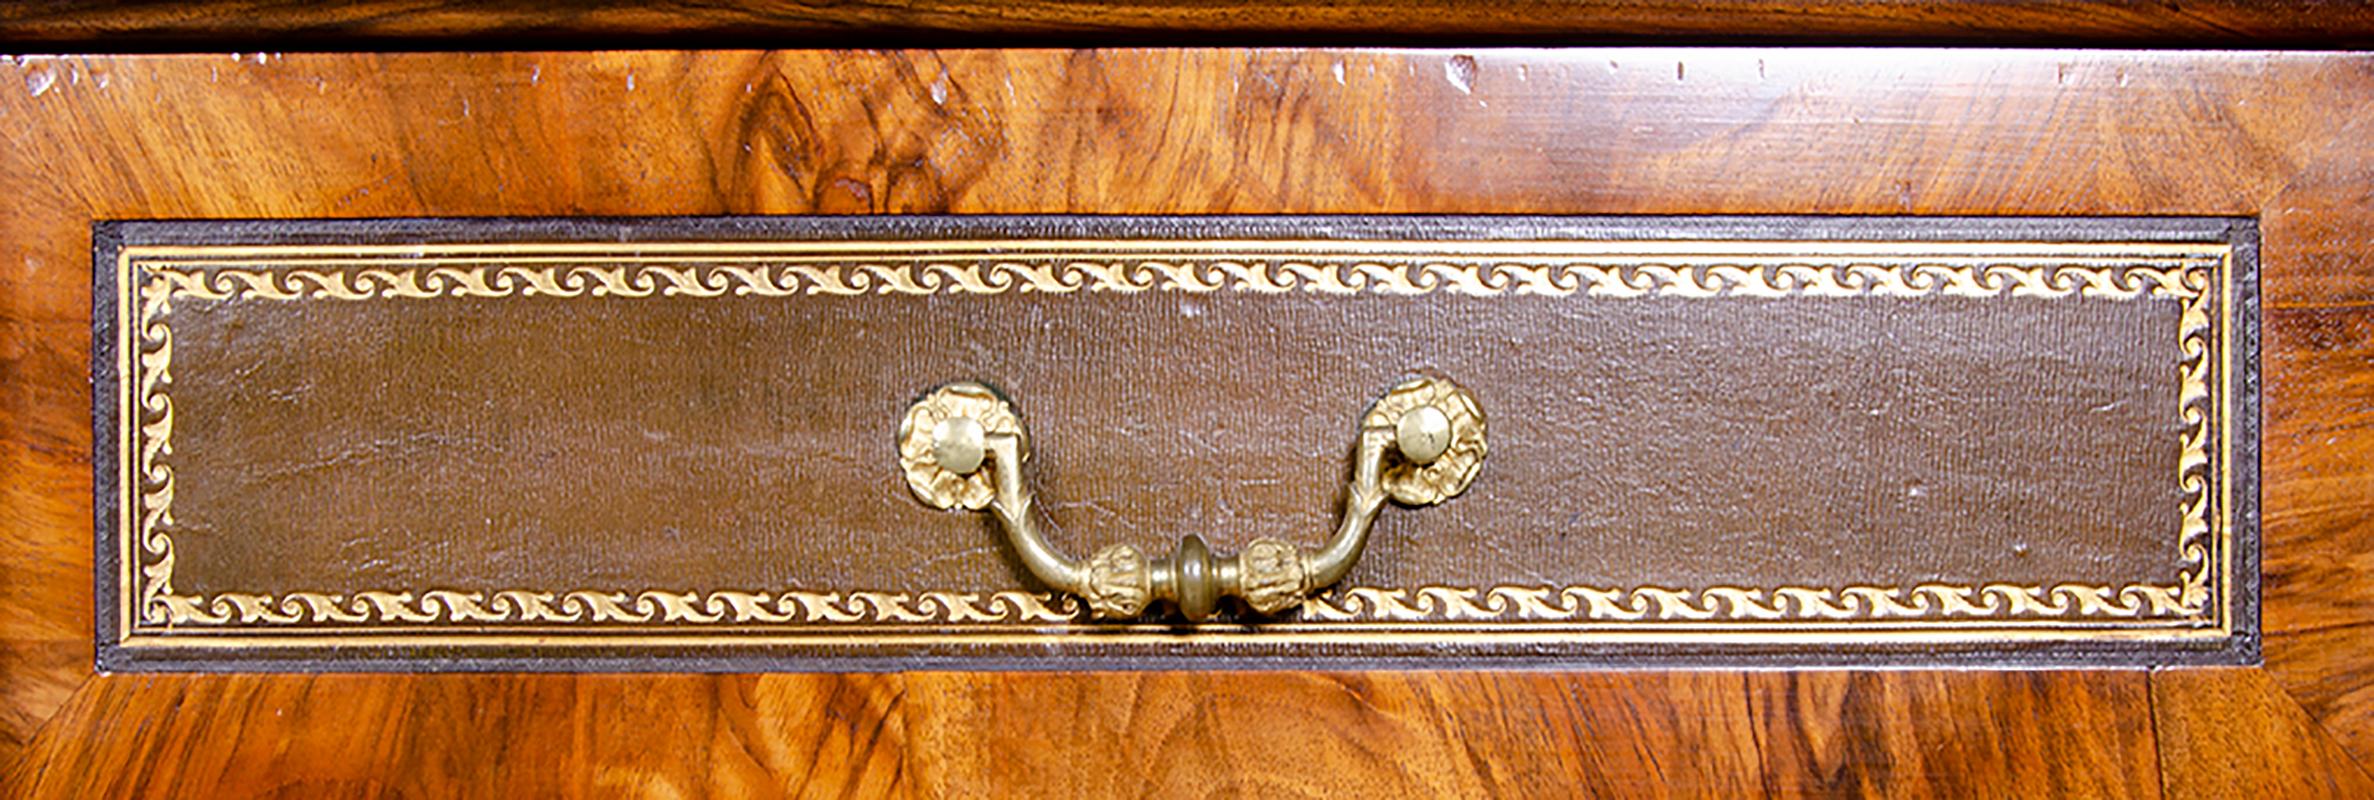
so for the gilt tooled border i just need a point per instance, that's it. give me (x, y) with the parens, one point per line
(2185, 276)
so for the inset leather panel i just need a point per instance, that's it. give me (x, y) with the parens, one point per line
(668, 444)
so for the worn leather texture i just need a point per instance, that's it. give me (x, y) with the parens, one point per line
(709, 439)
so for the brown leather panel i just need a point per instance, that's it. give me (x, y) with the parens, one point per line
(511, 439)
(712, 443)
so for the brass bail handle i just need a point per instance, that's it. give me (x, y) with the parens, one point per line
(962, 446)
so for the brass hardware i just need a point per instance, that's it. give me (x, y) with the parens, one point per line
(962, 446)
(1423, 434)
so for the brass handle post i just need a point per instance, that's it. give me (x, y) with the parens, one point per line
(963, 446)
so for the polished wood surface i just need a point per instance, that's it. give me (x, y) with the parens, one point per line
(510, 24)
(1692, 733)
(475, 736)
(2283, 137)
(2230, 733)
(2010, 734)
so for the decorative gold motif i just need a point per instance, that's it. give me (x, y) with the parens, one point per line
(934, 484)
(1796, 269)
(1272, 575)
(1731, 603)
(1419, 482)
(156, 441)
(1355, 604)
(1119, 583)
(1348, 275)
(588, 606)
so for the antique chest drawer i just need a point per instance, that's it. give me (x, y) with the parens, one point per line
(1427, 422)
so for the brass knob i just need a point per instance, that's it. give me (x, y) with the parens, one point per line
(962, 446)
(1423, 434)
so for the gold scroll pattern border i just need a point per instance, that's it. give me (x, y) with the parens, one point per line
(2185, 599)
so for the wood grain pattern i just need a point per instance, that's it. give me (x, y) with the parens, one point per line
(1423, 735)
(1477, 734)
(2318, 575)
(473, 736)
(2324, 672)
(2277, 136)
(2232, 733)
(1955, 734)
(247, 24)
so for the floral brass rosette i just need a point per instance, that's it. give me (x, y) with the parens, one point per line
(936, 485)
(1426, 484)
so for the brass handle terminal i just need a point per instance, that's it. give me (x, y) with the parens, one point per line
(962, 446)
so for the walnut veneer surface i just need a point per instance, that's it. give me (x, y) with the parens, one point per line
(2286, 138)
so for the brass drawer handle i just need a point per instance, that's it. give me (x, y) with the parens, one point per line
(962, 446)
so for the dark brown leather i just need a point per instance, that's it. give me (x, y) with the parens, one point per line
(697, 444)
